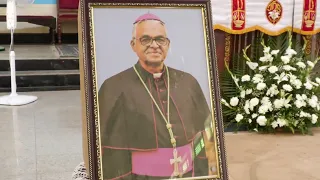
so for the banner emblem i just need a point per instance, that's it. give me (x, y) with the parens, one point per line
(274, 11)
(238, 14)
(309, 15)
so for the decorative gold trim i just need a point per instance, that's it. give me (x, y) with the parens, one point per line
(86, 75)
(227, 48)
(308, 45)
(265, 31)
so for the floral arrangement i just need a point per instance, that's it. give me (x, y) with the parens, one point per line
(280, 93)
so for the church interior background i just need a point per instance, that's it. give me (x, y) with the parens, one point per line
(43, 140)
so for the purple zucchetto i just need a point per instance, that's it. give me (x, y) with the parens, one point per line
(147, 16)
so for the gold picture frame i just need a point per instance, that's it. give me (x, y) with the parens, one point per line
(103, 89)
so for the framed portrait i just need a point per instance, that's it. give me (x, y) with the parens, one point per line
(150, 90)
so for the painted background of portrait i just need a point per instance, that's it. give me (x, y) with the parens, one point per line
(113, 32)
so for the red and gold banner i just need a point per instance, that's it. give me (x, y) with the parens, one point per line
(309, 15)
(238, 14)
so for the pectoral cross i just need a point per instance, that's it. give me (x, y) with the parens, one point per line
(175, 161)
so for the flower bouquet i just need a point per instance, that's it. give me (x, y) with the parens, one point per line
(280, 93)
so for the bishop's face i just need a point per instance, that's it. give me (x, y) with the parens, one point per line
(151, 43)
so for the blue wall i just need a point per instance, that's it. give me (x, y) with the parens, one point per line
(45, 2)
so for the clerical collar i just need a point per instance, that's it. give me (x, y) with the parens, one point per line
(145, 74)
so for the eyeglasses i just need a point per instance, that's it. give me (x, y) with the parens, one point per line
(161, 41)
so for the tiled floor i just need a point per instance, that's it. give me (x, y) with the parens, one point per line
(42, 141)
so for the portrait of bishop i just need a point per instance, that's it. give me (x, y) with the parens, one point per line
(152, 117)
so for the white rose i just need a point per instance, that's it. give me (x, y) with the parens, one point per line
(261, 86)
(234, 101)
(253, 102)
(273, 69)
(301, 65)
(252, 65)
(318, 80)
(239, 117)
(314, 118)
(250, 121)
(285, 59)
(254, 115)
(257, 78)
(311, 64)
(262, 120)
(243, 94)
(245, 78)
(248, 91)
(287, 87)
(263, 109)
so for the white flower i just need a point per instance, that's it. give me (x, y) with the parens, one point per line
(273, 69)
(274, 124)
(234, 101)
(252, 65)
(279, 103)
(313, 101)
(281, 122)
(314, 118)
(243, 94)
(262, 68)
(301, 65)
(297, 84)
(285, 59)
(248, 91)
(245, 78)
(308, 85)
(287, 87)
(288, 68)
(311, 64)
(266, 50)
(257, 78)
(304, 114)
(263, 109)
(262, 120)
(253, 102)
(300, 103)
(318, 80)
(223, 101)
(247, 106)
(266, 58)
(254, 115)
(272, 91)
(266, 105)
(239, 117)
(282, 77)
(250, 121)
(261, 86)
(274, 52)
(290, 52)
